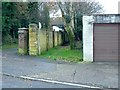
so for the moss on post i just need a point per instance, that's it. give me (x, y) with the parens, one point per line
(22, 51)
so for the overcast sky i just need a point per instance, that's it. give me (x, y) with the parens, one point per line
(110, 6)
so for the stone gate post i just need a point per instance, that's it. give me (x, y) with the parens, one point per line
(33, 39)
(23, 41)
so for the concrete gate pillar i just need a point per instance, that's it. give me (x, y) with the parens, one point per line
(88, 38)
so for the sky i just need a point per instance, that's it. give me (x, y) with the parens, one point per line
(110, 6)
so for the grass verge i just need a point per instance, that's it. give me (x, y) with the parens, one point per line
(63, 53)
(7, 46)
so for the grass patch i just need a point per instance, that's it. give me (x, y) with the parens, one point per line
(63, 53)
(7, 46)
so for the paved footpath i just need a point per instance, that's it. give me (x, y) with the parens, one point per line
(97, 74)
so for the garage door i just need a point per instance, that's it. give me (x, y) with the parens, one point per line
(105, 42)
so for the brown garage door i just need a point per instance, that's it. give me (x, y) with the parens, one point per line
(105, 42)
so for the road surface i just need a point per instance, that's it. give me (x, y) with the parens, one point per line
(12, 82)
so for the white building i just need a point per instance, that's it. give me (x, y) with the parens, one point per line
(56, 28)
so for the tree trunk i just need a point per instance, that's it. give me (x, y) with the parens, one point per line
(69, 26)
(70, 36)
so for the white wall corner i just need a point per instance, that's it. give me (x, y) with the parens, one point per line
(88, 38)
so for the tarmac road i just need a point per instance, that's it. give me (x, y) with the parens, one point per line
(98, 74)
(11, 82)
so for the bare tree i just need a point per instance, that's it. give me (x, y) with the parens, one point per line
(88, 7)
(70, 10)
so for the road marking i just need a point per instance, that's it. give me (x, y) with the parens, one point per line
(51, 81)
(58, 82)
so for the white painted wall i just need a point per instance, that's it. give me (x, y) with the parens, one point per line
(88, 38)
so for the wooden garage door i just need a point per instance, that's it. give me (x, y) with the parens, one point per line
(105, 42)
